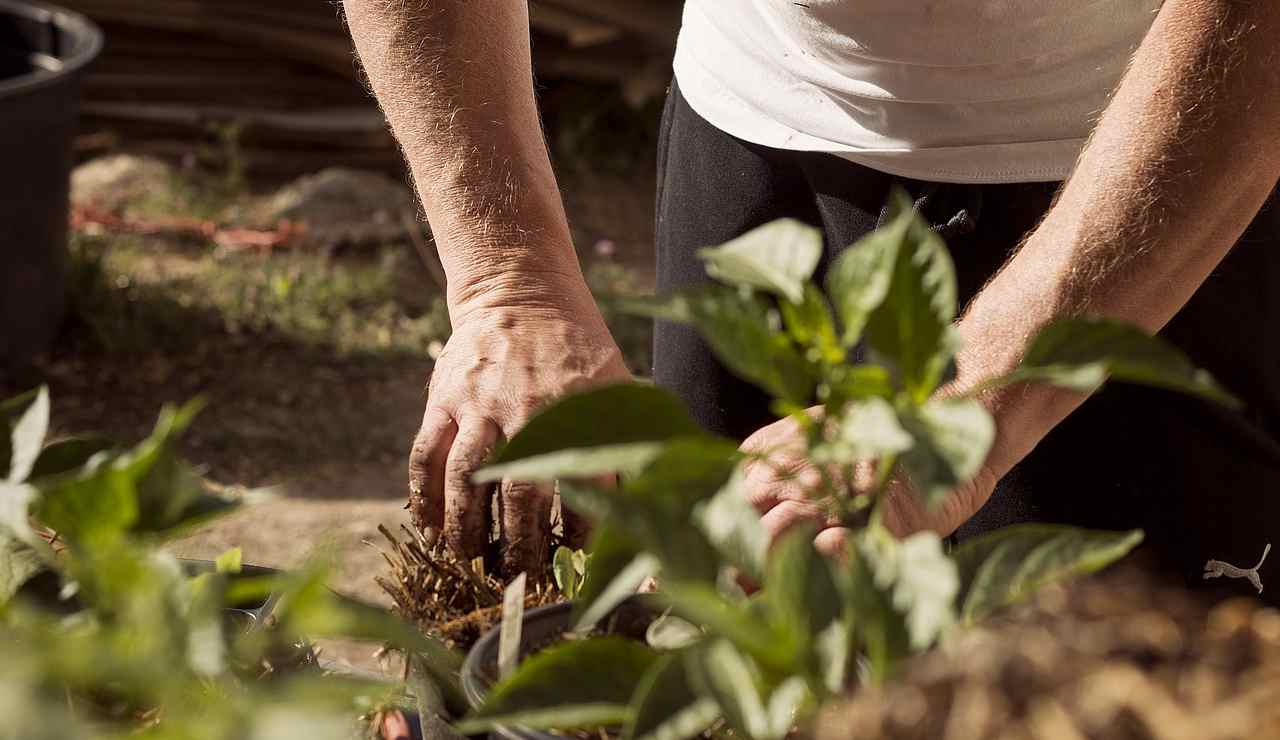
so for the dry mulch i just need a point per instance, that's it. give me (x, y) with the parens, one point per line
(1121, 656)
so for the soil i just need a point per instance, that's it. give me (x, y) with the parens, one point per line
(1121, 656)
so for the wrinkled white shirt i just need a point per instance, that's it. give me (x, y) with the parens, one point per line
(978, 91)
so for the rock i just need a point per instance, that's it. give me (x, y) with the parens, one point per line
(117, 181)
(344, 207)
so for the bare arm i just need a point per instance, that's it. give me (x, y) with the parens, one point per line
(1180, 163)
(454, 79)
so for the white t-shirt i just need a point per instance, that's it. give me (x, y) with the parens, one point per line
(975, 91)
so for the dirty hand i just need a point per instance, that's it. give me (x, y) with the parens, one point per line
(783, 489)
(502, 363)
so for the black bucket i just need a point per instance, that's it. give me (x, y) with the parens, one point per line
(43, 53)
(542, 627)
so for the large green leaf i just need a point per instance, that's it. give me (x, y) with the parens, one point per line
(1008, 565)
(859, 279)
(612, 551)
(576, 683)
(778, 257)
(912, 326)
(666, 707)
(719, 670)
(800, 589)
(581, 462)
(952, 440)
(743, 331)
(868, 430)
(1082, 353)
(702, 605)
(921, 580)
(614, 415)
(733, 527)
(27, 437)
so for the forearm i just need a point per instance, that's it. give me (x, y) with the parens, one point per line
(1180, 163)
(455, 81)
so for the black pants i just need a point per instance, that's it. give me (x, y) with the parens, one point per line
(1201, 480)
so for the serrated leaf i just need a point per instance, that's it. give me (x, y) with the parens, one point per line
(614, 415)
(778, 257)
(912, 326)
(952, 440)
(719, 670)
(27, 437)
(1082, 353)
(921, 580)
(572, 684)
(811, 324)
(744, 333)
(1010, 564)
(868, 430)
(859, 279)
(733, 527)
(666, 707)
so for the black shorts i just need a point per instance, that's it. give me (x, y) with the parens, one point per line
(1202, 480)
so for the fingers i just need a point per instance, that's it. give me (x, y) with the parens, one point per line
(426, 470)
(526, 517)
(466, 506)
(787, 514)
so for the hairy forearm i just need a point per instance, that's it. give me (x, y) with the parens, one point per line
(1178, 166)
(454, 79)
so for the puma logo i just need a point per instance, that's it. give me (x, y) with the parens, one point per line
(1218, 569)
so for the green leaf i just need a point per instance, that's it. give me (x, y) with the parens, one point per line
(635, 413)
(952, 440)
(551, 688)
(622, 587)
(66, 455)
(811, 324)
(912, 327)
(920, 578)
(702, 605)
(665, 706)
(1008, 565)
(566, 575)
(583, 462)
(743, 331)
(27, 437)
(868, 430)
(721, 671)
(230, 561)
(1081, 353)
(669, 632)
(846, 383)
(18, 563)
(733, 527)
(785, 705)
(859, 279)
(800, 589)
(612, 551)
(778, 257)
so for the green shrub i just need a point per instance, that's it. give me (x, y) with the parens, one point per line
(761, 662)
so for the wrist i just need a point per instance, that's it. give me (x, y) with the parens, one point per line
(542, 291)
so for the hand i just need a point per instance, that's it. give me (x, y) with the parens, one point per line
(785, 486)
(501, 364)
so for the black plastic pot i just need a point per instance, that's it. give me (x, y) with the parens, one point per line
(543, 627)
(43, 53)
